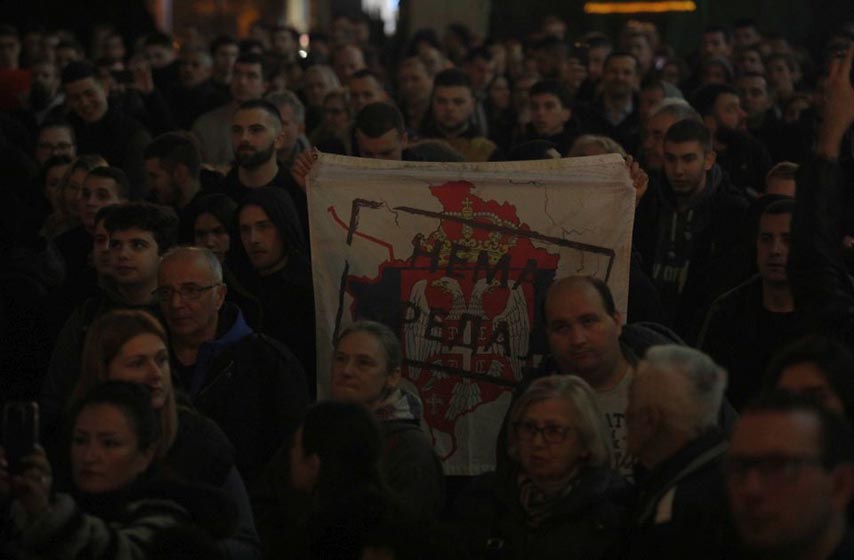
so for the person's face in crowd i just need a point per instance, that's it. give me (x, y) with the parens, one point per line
(10, 50)
(159, 56)
(105, 453)
(210, 233)
(96, 193)
(414, 81)
(743, 37)
(751, 61)
(161, 183)
(547, 64)
(291, 128)
(780, 76)
(653, 140)
(548, 115)
(574, 73)
(583, 337)
(499, 93)
(550, 462)
(87, 98)
(71, 192)
(144, 359)
(53, 179)
(753, 91)
(247, 82)
(433, 60)
(638, 46)
(452, 106)
(596, 61)
(46, 75)
(360, 370)
(336, 114)
(647, 99)
(671, 73)
(283, 43)
(714, 45)
(364, 91)
(304, 467)
(388, 145)
(727, 112)
(347, 61)
(55, 141)
(114, 48)
(256, 136)
(189, 317)
(101, 250)
(772, 247)
(195, 69)
(261, 240)
(522, 94)
(686, 164)
(278, 83)
(620, 76)
(224, 58)
(315, 87)
(480, 72)
(134, 257)
(555, 28)
(781, 496)
(714, 74)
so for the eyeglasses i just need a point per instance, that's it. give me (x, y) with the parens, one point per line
(771, 468)
(60, 146)
(552, 433)
(188, 292)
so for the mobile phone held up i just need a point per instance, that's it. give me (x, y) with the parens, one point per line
(20, 432)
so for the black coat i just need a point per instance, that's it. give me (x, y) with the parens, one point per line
(586, 524)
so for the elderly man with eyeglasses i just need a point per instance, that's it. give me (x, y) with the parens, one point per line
(250, 384)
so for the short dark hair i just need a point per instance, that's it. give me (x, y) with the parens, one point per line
(104, 211)
(706, 96)
(553, 87)
(741, 23)
(621, 54)
(601, 287)
(479, 52)
(831, 357)
(255, 58)
(375, 119)
(134, 400)
(220, 41)
(367, 73)
(452, 77)
(552, 45)
(160, 221)
(117, 175)
(778, 207)
(688, 130)
(58, 123)
(78, 70)
(834, 431)
(220, 206)
(173, 148)
(262, 104)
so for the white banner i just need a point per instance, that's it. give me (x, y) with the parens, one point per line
(456, 258)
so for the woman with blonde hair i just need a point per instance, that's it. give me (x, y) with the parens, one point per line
(131, 345)
(559, 497)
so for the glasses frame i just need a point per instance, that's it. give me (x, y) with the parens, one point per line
(160, 294)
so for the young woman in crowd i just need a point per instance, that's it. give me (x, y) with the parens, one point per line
(65, 211)
(118, 504)
(559, 498)
(131, 345)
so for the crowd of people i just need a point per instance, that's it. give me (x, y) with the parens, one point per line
(156, 298)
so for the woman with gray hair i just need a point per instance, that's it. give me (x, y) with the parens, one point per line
(560, 497)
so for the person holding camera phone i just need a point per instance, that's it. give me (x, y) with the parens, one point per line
(119, 506)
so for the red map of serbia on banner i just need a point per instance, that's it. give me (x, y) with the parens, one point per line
(464, 293)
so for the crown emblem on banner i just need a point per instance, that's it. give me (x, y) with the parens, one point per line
(472, 241)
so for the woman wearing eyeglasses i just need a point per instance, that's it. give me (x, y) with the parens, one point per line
(559, 498)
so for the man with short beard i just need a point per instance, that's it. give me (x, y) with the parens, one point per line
(256, 134)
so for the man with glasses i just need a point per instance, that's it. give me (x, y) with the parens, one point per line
(672, 425)
(789, 480)
(250, 384)
(56, 138)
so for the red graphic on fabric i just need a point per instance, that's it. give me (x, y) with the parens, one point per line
(467, 293)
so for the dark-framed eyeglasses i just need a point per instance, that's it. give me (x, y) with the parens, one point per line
(187, 292)
(552, 433)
